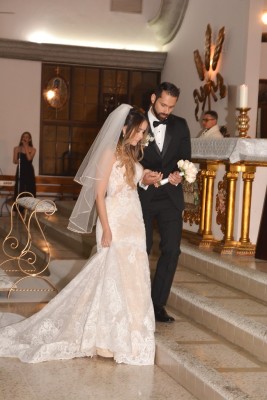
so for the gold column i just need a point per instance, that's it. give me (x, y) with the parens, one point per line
(207, 232)
(203, 201)
(230, 213)
(246, 247)
(228, 243)
(207, 239)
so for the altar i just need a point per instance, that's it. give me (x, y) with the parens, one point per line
(230, 190)
(232, 149)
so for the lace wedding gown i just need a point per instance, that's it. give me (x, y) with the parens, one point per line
(106, 306)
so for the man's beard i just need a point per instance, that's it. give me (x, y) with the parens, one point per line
(160, 117)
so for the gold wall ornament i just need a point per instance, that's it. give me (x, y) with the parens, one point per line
(206, 71)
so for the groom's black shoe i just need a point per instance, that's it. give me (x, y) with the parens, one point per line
(162, 316)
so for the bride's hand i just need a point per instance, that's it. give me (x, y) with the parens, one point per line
(106, 238)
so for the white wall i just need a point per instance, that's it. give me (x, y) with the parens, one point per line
(20, 83)
(240, 57)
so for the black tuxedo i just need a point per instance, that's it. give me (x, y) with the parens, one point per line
(165, 204)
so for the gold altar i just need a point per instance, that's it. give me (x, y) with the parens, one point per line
(210, 155)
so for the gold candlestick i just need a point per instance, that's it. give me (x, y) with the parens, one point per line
(242, 122)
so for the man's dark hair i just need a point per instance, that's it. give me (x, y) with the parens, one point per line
(168, 87)
(213, 114)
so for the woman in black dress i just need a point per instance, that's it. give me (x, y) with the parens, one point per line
(23, 156)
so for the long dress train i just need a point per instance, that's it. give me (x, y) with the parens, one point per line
(106, 306)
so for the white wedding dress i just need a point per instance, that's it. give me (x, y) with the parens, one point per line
(106, 306)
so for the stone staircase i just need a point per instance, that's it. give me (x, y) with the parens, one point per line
(217, 346)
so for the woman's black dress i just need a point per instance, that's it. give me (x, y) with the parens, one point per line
(25, 177)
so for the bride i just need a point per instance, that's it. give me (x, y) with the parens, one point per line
(106, 309)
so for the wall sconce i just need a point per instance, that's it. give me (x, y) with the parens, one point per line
(207, 70)
(56, 92)
(264, 17)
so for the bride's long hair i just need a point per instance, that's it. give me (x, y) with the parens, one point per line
(127, 154)
(99, 160)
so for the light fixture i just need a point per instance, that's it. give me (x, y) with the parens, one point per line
(264, 17)
(56, 91)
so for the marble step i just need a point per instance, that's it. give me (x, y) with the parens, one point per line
(243, 273)
(59, 249)
(65, 207)
(234, 315)
(57, 273)
(42, 289)
(56, 228)
(205, 364)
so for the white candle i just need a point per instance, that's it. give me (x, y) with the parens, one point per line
(243, 96)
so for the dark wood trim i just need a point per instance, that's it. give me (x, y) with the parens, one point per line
(58, 187)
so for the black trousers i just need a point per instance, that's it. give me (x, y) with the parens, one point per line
(170, 223)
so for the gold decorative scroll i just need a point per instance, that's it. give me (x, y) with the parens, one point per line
(208, 91)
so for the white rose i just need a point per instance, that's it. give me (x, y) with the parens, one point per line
(180, 164)
(186, 164)
(192, 170)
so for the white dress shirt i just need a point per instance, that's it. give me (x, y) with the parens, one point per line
(158, 132)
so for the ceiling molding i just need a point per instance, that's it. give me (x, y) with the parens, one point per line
(168, 20)
(129, 6)
(92, 56)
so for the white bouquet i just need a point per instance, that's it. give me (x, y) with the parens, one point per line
(187, 170)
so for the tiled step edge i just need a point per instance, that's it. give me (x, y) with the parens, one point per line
(81, 243)
(65, 207)
(239, 330)
(207, 263)
(37, 289)
(201, 381)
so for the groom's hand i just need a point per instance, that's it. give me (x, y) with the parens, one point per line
(151, 178)
(175, 178)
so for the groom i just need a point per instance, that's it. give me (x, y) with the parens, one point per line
(165, 203)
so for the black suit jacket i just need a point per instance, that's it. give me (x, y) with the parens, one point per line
(177, 146)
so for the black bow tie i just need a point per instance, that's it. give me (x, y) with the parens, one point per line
(157, 123)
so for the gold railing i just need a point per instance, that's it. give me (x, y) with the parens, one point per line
(227, 187)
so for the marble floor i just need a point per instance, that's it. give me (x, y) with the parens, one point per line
(98, 378)
(83, 379)
(77, 379)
